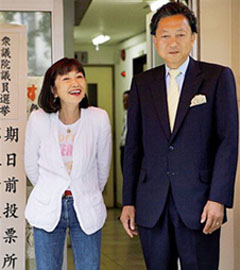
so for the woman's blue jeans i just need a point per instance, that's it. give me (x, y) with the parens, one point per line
(49, 245)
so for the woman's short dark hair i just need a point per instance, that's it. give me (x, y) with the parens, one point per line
(171, 9)
(46, 99)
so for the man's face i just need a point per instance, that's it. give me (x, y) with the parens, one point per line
(174, 40)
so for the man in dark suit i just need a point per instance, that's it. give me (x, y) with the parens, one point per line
(181, 150)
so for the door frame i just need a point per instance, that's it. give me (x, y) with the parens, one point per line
(113, 128)
(55, 7)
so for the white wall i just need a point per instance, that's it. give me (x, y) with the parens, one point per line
(216, 34)
(134, 48)
(105, 55)
(219, 37)
(236, 68)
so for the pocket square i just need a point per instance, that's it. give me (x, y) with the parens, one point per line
(198, 99)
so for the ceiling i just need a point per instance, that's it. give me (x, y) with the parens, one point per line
(120, 19)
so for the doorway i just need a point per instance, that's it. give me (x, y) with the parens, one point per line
(100, 93)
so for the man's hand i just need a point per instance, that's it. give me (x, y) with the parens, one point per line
(213, 216)
(128, 220)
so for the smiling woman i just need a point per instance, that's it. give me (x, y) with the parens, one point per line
(67, 159)
(65, 73)
(70, 88)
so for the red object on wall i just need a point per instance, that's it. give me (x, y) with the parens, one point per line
(123, 73)
(123, 55)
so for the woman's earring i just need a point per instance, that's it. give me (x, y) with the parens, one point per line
(54, 98)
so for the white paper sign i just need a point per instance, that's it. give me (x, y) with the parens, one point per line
(13, 84)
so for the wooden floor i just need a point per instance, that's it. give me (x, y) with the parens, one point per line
(118, 250)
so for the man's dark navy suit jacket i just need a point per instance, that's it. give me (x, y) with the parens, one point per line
(198, 159)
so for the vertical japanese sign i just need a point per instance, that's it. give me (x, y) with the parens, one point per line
(13, 78)
(34, 85)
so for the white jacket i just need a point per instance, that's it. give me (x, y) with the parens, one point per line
(45, 169)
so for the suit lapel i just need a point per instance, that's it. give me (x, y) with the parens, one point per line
(191, 85)
(158, 90)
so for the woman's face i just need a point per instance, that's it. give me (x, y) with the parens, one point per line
(70, 88)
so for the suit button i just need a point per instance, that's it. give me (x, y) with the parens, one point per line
(171, 148)
(168, 173)
(173, 174)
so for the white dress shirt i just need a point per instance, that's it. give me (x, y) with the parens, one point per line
(179, 78)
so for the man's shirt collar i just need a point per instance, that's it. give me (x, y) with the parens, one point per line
(182, 68)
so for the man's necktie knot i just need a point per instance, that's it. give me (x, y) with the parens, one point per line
(174, 73)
